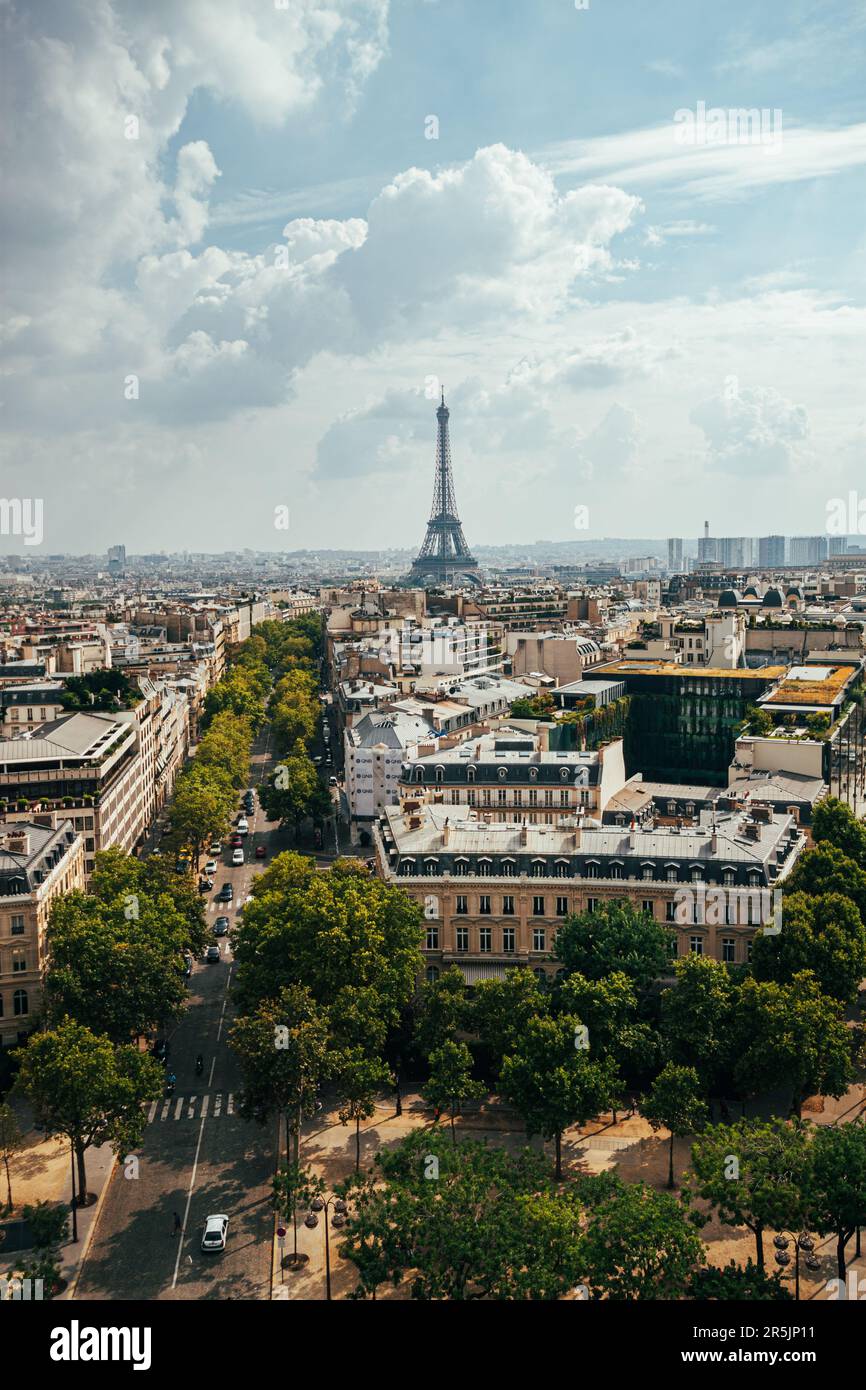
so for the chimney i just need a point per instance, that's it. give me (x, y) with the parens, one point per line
(524, 834)
(577, 830)
(446, 832)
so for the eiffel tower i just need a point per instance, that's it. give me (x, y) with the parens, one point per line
(444, 555)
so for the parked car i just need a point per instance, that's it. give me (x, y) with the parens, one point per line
(215, 1231)
(237, 856)
(210, 867)
(221, 926)
(216, 848)
(205, 885)
(226, 893)
(317, 759)
(213, 954)
(235, 841)
(261, 852)
(243, 825)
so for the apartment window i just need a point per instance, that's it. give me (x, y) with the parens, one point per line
(432, 938)
(484, 905)
(548, 798)
(592, 904)
(670, 911)
(485, 940)
(20, 1003)
(562, 907)
(502, 796)
(648, 907)
(697, 876)
(592, 869)
(671, 874)
(485, 796)
(17, 924)
(508, 939)
(563, 798)
(518, 798)
(533, 797)
(432, 974)
(538, 907)
(462, 904)
(728, 878)
(615, 871)
(461, 867)
(506, 868)
(647, 873)
(19, 962)
(463, 938)
(470, 797)
(748, 951)
(539, 939)
(696, 945)
(729, 953)
(508, 906)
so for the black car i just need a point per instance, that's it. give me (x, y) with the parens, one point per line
(226, 893)
(221, 926)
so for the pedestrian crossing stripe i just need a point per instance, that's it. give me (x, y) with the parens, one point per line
(192, 1107)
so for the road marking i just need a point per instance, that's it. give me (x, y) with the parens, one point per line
(191, 1102)
(188, 1201)
(212, 1065)
(152, 1111)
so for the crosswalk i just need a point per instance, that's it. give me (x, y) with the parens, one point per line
(192, 1107)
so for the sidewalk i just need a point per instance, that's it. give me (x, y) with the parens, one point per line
(41, 1172)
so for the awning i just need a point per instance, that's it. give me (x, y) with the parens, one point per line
(473, 972)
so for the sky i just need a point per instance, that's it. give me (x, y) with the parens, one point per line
(245, 243)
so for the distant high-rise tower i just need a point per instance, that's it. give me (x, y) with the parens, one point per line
(675, 554)
(444, 554)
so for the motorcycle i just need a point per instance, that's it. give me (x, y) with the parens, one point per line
(199, 1065)
(169, 1086)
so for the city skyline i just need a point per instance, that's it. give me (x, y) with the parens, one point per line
(254, 252)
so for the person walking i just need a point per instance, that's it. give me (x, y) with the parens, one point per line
(178, 1225)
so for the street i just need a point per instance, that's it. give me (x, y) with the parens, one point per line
(199, 1157)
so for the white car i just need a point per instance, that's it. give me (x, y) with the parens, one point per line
(215, 1230)
(237, 856)
(210, 868)
(216, 847)
(243, 826)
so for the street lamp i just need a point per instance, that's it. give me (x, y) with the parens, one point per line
(803, 1242)
(337, 1221)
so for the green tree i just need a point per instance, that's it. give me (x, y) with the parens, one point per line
(11, 1141)
(283, 1049)
(293, 1187)
(754, 1173)
(675, 1103)
(498, 1010)
(552, 1081)
(359, 1078)
(639, 1244)
(824, 935)
(294, 792)
(115, 963)
(49, 1227)
(609, 1008)
(83, 1087)
(201, 808)
(450, 1082)
(737, 1284)
(790, 1035)
(336, 934)
(837, 1183)
(827, 869)
(442, 1009)
(616, 936)
(833, 820)
(697, 1020)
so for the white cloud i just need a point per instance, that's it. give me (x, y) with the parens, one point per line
(653, 157)
(752, 429)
